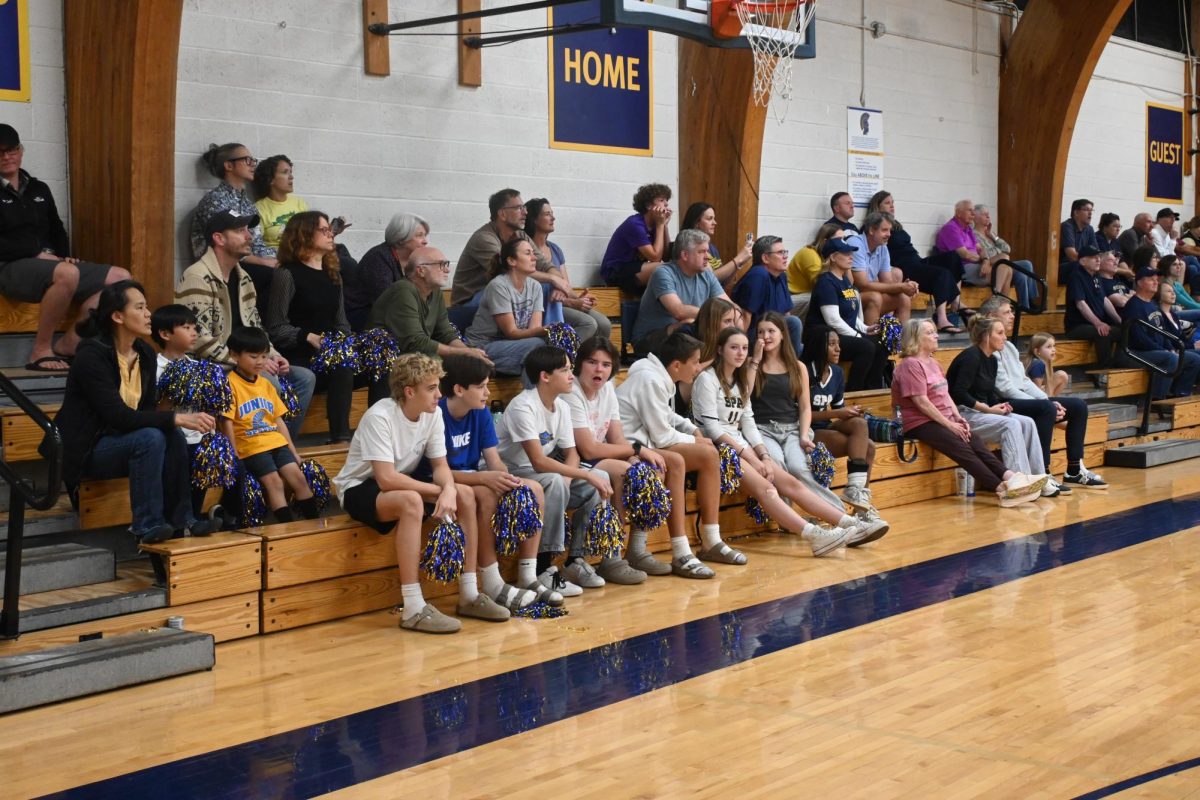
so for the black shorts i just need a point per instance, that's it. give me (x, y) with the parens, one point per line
(27, 279)
(359, 503)
(265, 463)
(624, 276)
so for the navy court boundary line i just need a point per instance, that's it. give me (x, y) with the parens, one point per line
(373, 743)
(1138, 780)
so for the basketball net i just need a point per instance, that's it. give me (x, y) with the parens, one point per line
(772, 28)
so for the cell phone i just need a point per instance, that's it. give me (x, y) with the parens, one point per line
(749, 238)
(338, 224)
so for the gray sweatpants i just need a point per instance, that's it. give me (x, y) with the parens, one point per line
(1020, 448)
(581, 498)
(782, 441)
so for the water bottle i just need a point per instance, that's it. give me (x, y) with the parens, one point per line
(896, 415)
(497, 414)
(964, 483)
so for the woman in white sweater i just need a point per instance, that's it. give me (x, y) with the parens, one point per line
(722, 408)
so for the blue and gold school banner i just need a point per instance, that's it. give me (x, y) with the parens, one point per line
(14, 50)
(601, 86)
(1164, 154)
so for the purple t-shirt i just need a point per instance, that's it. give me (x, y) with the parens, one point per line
(954, 235)
(623, 246)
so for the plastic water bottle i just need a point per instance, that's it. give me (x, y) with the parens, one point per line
(964, 483)
(497, 414)
(896, 415)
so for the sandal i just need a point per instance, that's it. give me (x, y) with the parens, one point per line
(950, 329)
(722, 553)
(39, 365)
(690, 567)
(545, 594)
(514, 599)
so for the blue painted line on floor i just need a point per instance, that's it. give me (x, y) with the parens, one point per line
(370, 744)
(1138, 780)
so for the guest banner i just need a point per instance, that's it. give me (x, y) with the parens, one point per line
(1164, 154)
(601, 85)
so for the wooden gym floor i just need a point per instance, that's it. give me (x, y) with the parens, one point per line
(1045, 651)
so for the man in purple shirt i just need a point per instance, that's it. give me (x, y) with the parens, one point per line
(958, 236)
(639, 244)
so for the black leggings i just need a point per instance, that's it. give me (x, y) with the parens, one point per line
(1042, 412)
(933, 280)
(338, 386)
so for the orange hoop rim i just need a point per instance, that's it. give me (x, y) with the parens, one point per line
(724, 17)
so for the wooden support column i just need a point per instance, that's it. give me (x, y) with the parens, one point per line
(1043, 77)
(120, 73)
(720, 139)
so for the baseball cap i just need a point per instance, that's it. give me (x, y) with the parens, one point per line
(1147, 272)
(9, 137)
(227, 220)
(837, 246)
(1088, 250)
(1166, 212)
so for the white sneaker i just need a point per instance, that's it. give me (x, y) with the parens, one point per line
(859, 497)
(1051, 488)
(583, 574)
(554, 581)
(824, 541)
(866, 530)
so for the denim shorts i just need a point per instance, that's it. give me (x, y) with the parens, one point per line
(261, 464)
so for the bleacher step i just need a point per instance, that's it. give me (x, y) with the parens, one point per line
(62, 566)
(1152, 454)
(76, 670)
(73, 613)
(1156, 426)
(1117, 412)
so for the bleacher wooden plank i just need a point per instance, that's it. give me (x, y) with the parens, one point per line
(1047, 322)
(327, 554)
(104, 503)
(1182, 411)
(1097, 432)
(873, 401)
(22, 437)
(305, 604)
(1072, 352)
(201, 568)
(18, 317)
(1092, 454)
(912, 488)
(1124, 382)
(226, 618)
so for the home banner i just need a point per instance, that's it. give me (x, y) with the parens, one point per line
(601, 85)
(14, 50)
(1164, 154)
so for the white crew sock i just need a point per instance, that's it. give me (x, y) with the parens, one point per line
(526, 571)
(710, 535)
(413, 600)
(856, 479)
(492, 583)
(468, 591)
(637, 543)
(680, 546)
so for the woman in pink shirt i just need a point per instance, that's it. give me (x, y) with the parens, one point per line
(929, 415)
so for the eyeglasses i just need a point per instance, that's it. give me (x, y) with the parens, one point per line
(326, 230)
(444, 266)
(783, 253)
(512, 207)
(250, 160)
(12, 151)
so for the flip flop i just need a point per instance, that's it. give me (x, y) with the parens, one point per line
(37, 365)
(949, 329)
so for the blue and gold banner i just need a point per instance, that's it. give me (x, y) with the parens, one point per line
(14, 50)
(1164, 154)
(601, 85)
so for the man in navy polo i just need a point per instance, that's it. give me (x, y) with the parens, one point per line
(765, 288)
(1076, 232)
(1089, 314)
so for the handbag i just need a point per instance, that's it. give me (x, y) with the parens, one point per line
(888, 431)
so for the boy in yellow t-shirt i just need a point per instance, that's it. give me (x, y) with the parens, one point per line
(255, 426)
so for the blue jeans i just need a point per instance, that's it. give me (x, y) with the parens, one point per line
(303, 382)
(1026, 286)
(156, 463)
(553, 311)
(509, 354)
(1161, 386)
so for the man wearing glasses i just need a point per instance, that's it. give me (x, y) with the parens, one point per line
(35, 262)
(415, 312)
(473, 270)
(765, 288)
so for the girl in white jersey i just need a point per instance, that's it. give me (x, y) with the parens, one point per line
(721, 406)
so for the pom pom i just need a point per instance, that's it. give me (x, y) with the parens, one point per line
(756, 512)
(215, 463)
(516, 518)
(254, 505)
(288, 395)
(199, 386)
(890, 330)
(562, 335)
(336, 352)
(820, 461)
(442, 559)
(540, 610)
(376, 351)
(731, 469)
(318, 481)
(604, 533)
(647, 501)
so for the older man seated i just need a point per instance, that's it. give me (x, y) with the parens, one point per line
(883, 288)
(958, 236)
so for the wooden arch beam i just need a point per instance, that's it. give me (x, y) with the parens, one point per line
(121, 72)
(1043, 77)
(720, 138)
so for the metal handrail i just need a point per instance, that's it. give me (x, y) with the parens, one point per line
(1038, 308)
(22, 493)
(1181, 349)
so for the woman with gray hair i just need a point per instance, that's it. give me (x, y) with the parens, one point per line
(383, 265)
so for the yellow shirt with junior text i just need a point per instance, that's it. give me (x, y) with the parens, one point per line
(257, 409)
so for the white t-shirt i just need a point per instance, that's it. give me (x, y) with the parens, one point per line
(385, 434)
(596, 415)
(527, 418)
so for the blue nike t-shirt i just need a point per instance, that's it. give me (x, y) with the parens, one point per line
(466, 439)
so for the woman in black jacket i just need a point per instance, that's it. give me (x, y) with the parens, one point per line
(110, 424)
(306, 304)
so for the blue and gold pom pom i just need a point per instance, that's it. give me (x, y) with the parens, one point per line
(820, 461)
(318, 481)
(539, 609)
(377, 350)
(288, 395)
(215, 463)
(442, 558)
(199, 386)
(254, 505)
(756, 512)
(336, 352)
(731, 469)
(604, 534)
(516, 518)
(563, 336)
(890, 330)
(647, 501)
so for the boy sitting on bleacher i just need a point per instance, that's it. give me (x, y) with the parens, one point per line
(374, 488)
(255, 426)
(474, 461)
(173, 328)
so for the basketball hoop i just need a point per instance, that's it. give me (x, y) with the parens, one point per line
(774, 29)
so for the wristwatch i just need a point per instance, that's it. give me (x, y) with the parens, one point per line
(637, 448)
